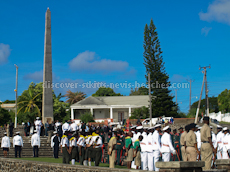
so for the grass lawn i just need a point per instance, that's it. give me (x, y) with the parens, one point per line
(59, 160)
(222, 122)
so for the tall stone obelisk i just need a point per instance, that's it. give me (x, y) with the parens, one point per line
(47, 100)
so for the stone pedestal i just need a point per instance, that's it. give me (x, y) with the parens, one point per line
(180, 166)
(223, 164)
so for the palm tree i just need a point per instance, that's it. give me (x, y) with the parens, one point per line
(74, 97)
(28, 101)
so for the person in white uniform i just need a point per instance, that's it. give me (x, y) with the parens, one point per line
(150, 149)
(198, 140)
(17, 144)
(219, 142)
(156, 142)
(73, 127)
(73, 148)
(166, 145)
(65, 127)
(226, 143)
(134, 138)
(144, 151)
(5, 144)
(35, 143)
(38, 125)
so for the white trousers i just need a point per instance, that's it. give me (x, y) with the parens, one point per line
(219, 155)
(144, 160)
(225, 155)
(156, 156)
(150, 161)
(166, 156)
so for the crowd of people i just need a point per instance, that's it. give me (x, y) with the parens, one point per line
(137, 146)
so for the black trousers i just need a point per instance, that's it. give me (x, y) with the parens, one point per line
(97, 155)
(56, 150)
(35, 149)
(17, 150)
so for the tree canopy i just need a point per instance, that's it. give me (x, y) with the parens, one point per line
(139, 91)
(105, 91)
(74, 97)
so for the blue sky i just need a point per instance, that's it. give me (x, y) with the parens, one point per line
(102, 41)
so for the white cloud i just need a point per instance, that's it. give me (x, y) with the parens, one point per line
(205, 30)
(218, 11)
(4, 53)
(89, 62)
(38, 76)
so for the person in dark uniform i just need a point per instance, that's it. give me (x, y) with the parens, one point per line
(59, 130)
(119, 148)
(176, 141)
(56, 141)
(11, 127)
(108, 139)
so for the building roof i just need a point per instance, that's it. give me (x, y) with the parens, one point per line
(140, 100)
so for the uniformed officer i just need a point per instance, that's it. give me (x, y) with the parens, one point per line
(65, 148)
(73, 148)
(182, 143)
(226, 143)
(150, 149)
(191, 144)
(97, 145)
(89, 148)
(119, 148)
(108, 139)
(65, 126)
(198, 140)
(219, 142)
(35, 143)
(156, 142)
(167, 147)
(207, 148)
(38, 125)
(55, 143)
(5, 144)
(81, 147)
(73, 127)
(137, 152)
(17, 144)
(111, 150)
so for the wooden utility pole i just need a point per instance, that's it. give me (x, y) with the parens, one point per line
(150, 100)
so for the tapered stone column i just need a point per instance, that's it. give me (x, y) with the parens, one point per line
(47, 100)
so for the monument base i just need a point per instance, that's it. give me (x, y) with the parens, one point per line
(49, 119)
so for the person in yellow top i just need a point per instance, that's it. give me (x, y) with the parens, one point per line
(111, 150)
(65, 148)
(137, 152)
(182, 143)
(207, 148)
(191, 143)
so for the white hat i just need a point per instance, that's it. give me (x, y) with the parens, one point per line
(37, 118)
(114, 129)
(219, 126)
(158, 125)
(35, 131)
(139, 127)
(5, 133)
(18, 132)
(133, 127)
(225, 128)
(55, 132)
(197, 126)
(151, 128)
(145, 128)
(211, 126)
(166, 128)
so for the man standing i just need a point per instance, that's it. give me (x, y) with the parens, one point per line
(137, 152)
(176, 144)
(219, 142)
(73, 148)
(97, 145)
(81, 147)
(191, 144)
(55, 143)
(129, 149)
(167, 147)
(38, 124)
(207, 148)
(156, 142)
(65, 126)
(226, 143)
(65, 148)
(111, 150)
(35, 143)
(11, 127)
(5, 144)
(73, 127)
(182, 143)
(17, 144)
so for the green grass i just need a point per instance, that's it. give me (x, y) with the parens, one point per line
(222, 122)
(59, 160)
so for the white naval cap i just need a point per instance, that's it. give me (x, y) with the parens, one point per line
(151, 128)
(165, 128)
(37, 118)
(225, 128)
(18, 132)
(219, 126)
(211, 126)
(158, 125)
(139, 127)
(35, 131)
(5, 133)
(55, 132)
(133, 127)
(197, 126)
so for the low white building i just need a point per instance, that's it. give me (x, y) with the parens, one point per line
(220, 116)
(111, 108)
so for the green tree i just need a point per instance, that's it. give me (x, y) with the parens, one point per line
(105, 91)
(224, 101)
(74, 97)
(86, 117)
(162, 103)
(139, 91)
(140, 113)
(9, 101)
(59, 108)
(4, 116)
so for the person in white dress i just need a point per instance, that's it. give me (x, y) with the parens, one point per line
(219, 142)
(166, 145)
(226, 143)
(38, 125)
(5, 144)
